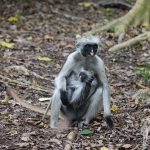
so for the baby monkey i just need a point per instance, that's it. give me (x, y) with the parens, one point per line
(78, 91)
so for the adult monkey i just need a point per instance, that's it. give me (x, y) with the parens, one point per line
(84, 56)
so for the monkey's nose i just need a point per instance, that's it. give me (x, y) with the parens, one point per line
(92, 52)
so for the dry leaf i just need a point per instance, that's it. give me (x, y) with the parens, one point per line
(13, 19)
(86, 4)
(114, 59)
(22, 144)
(44, 59)
(54, 140)
(114, 108)
(104, 148)
(5, 100)
(126, 146)
(137, 102)
(42, 99)
(71, 136)
(25, 137)
(6, 44)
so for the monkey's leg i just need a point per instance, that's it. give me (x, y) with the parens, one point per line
(55, 108)
(94, 107)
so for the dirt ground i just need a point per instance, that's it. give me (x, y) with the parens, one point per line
(43, 37)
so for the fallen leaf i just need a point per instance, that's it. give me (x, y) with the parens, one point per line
(13, 19)
(137, 102)
(104, 148)
(114, 59)
(126, 146)
(5, 100)
(86, 4)
(86, 132)
(48, 37)
(42, 99)
(44, 59)
(114, 108)
(25, 137)
(6, 44)
(58, 142)
(22, 144)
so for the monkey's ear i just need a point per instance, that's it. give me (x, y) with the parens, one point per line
(78, 46)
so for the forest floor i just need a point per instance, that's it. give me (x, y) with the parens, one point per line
(44, 33)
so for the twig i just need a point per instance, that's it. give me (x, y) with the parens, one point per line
(136, 147)
(141, 86)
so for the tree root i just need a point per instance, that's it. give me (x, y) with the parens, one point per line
(138, 15)
(141, 37)
(9, 81)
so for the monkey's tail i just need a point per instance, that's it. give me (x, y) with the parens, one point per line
(109, 122)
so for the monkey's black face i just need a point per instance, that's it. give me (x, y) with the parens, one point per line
(89, 50)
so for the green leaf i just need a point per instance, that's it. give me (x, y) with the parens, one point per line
(112, 29)
(86, 132)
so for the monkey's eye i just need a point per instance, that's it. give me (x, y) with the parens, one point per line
(87, 46)
(95, 47)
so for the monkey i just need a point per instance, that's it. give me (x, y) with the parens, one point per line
(78, 88)
(85, 57)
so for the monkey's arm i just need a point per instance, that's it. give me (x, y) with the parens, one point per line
(60, 84)
(60, 80)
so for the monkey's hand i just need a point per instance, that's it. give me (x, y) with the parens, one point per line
(64, 98)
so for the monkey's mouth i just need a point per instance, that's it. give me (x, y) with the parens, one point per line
(92, 53)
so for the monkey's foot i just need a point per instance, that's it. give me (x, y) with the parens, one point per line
(53, 125)
(78, 124)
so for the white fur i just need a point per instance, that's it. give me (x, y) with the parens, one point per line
(87, 40)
